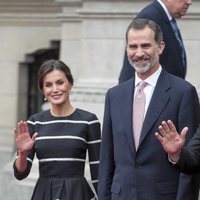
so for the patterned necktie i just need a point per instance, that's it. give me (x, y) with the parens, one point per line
(138, 112)
(178, 37)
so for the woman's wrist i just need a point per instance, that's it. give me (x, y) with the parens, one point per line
(21, 162)
(22, 154)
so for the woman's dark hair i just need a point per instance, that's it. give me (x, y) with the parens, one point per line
(51, 65)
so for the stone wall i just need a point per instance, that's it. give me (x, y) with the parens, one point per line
(24, 28)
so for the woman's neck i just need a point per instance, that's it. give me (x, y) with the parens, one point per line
(61, 111)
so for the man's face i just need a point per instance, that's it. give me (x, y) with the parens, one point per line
(143, 51)
(178, 8)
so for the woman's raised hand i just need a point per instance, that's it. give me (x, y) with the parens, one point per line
(23, 139)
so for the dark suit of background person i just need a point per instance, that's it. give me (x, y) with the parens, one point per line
(171, 57)
(145, 174)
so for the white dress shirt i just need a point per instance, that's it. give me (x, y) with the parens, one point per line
(149, 88)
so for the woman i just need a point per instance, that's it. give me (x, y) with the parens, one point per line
(60, 138)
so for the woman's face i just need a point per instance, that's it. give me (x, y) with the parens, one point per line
(56, 87)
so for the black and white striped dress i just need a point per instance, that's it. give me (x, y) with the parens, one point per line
(61, 147)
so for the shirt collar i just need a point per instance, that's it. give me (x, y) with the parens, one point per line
(165, 9)
(151, 80)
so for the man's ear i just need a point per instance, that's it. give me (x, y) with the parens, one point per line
(126, 46)
(161, 47)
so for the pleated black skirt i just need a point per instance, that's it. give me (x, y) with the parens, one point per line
(76, 188)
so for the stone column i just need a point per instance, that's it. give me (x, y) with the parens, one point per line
(189, 25)
(25, 26)
(93, 47)
(93, 39)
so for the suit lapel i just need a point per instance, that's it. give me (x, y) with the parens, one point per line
(126, 111)
(157, 104)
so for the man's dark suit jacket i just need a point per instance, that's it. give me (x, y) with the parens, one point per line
(145, 174)
(189, 161)
(170, 59)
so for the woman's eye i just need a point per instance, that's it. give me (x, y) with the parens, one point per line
(60, 82)
(47, 85)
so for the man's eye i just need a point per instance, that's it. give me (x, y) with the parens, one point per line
(132, 47)
(146, 46)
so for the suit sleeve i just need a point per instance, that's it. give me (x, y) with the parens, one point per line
(188, 188)
(106, 166)
(189, 161)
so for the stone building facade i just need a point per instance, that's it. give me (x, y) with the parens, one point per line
(91, 36)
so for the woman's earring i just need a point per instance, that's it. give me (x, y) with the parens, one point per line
(45, 98)
(70, 92)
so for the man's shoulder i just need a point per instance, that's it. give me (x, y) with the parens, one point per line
(152, 7)
(175, 80)
(122, 86)
(153, 11)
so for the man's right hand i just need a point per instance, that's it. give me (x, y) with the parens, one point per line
(171, 140)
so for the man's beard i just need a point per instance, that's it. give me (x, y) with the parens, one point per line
(145, 68)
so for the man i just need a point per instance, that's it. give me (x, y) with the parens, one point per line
(132, 168)
(186, 159)
(173, 58)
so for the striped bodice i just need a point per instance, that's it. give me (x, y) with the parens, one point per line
(62, 143)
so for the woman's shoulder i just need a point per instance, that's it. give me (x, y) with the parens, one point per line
(40, 116)
(85, 115)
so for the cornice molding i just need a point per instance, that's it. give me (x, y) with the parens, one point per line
(29, 7)
(127, 9)
(25, 19)
(29, 13)
(53, 13)
(69, 2)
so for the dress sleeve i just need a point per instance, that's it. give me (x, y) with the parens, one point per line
(94, 140)
(18, 175)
